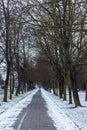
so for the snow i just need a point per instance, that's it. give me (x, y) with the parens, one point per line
(10, 110)
(64, 115)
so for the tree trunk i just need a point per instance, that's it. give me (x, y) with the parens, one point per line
(64, 92)
(57, 89)
(70, 95)
(13, 85)
(74, 87)
(10, 87)
(69, 86)
(60, 90)
(53, 86)
(86, 93)
(75, 94)
(56, 84)
(6, 84)
(18, 88)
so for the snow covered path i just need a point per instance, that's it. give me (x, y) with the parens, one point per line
(64, 116)
(61, 120)
(11, 110)
(35, 116)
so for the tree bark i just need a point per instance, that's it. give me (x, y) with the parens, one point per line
(6, 84)
(86, 93)
(64, 92)
(60, 90)
(74, 87)
(70, 95)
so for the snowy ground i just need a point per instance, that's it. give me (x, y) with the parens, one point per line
(11, 109)
(65, 117)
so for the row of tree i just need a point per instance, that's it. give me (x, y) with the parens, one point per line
(15, 42)
(58, 30)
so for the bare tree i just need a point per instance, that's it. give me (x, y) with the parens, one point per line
(58, 25)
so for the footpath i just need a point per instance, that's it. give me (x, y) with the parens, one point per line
(41, 110)
(35, 116)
